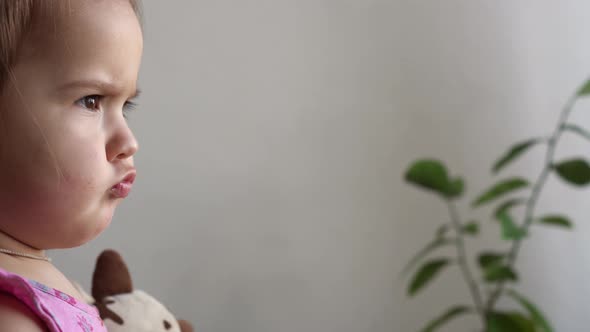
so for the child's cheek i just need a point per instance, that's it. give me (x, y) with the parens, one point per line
(85, 172)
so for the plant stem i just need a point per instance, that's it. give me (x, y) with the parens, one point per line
(462, 260)
(532, 201)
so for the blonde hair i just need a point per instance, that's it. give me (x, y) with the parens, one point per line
(17, 17)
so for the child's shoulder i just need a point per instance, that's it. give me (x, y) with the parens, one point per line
(16, 316)
(55, 309)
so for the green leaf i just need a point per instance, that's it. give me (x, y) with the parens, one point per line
(496, 273)
(445, 317)
(499, 189)
(429, 174)
(426, 273)
(585, 89)
(436, 243)
(471, 228)
(509, 229)
(508, 322)
(576, 129)
(432, 175)
(487, 259)
(455, 188)
(514, 152)
(556, 220)
(504, 207)
(536, 315)
(574, 171)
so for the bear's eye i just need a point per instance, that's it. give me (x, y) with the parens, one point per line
(167, 325)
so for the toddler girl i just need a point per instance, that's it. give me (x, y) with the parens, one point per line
(68, 73)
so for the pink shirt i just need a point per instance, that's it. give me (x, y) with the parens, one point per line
(59, 311)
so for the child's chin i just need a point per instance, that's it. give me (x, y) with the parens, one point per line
(100, 227)
(90, 234)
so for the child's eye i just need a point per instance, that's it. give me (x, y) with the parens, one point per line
(90, 102)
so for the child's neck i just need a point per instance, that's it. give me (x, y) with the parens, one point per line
(10, 243)
(33, 269)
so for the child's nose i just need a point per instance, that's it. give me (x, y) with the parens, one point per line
(122, 144)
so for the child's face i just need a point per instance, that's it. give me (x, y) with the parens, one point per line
(61, 153)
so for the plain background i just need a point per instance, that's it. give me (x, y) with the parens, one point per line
(274, 135)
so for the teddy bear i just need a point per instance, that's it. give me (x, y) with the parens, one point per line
(122, 308)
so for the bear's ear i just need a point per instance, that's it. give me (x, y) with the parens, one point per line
(185, 326)
(111, 276)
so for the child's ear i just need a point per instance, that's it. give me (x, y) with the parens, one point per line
(185, 326)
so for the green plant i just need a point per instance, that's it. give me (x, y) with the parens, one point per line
(498, 268)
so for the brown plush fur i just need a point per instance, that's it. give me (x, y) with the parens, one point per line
(111, 277)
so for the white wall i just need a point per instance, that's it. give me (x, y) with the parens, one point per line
(273, 138)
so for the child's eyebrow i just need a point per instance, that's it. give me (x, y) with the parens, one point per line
(98, 85)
